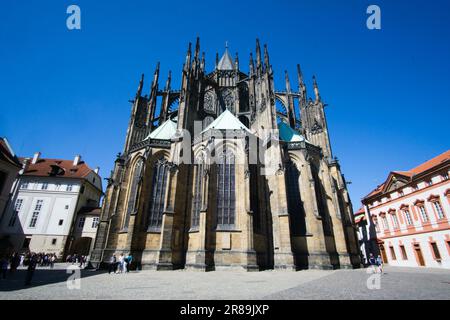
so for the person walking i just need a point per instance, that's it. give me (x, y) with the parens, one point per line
(112, 263)
(31, 267)
(129, 259)
(380, 264)
(121, 262)
(4, 266)
(372, 263)
(52, 260)
(15, 262)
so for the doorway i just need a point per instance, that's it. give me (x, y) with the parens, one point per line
(419, 255)
(383, 254)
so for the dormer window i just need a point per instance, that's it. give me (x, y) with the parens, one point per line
(444, 176)
(429, 183)
(56, 170)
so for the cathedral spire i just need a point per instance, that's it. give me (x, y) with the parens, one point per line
(316, 89)
(197, 48)
(202, 63)
(226, 62)
(266, 58)
(290, 102)
(236, 62)
(141, 84)
(169, 79)
(165, 101)
(187, 63)
(288, 83)
(258, 56)
(152, 98)
(251, 65)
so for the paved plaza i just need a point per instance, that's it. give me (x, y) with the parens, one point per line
(396, 283)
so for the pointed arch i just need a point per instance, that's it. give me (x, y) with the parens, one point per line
(295, 203)
(135, 178)
(155, 207)
(226, 192)
(199, 167)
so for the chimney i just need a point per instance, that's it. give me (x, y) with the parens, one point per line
(97, 170)
(36, 157)
(76, 160)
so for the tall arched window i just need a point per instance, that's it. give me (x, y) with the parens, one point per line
(132, 197)
(197, 194)
(156, 205)
(295, 204)
(226, 196)
(321, 201)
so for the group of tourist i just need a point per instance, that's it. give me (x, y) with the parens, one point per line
(376, 263)
(30, 260)
(77, 258)
(121, 265)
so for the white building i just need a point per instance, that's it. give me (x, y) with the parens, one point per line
(410, 212)
(9, 168)
(42, 213)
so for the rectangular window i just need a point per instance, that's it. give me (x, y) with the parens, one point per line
(69, 187)
(393, 256)
(66, 206)
(53, 241)
(403, 250)
(16, 211)
(423, 213)
(44, 186)
(24, 185)
(81, 222)
(409, 220)
(429, 183)
(95, 222)
(445, 176)
(385, 223)
(37, 210)
(436, 253)
(395, 221)
(82, 189)
(58, 186)
(60, 223)
(439, 210)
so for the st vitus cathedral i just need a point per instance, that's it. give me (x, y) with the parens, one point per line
(190, 191)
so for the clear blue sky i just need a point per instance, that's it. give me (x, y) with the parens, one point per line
(66, 92)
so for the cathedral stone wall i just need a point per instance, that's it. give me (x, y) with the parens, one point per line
(287, 208)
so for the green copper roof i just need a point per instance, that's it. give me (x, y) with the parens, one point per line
(288, 134)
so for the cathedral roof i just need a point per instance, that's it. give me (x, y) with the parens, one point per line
(226, 121)
(288, 134)
(226, 62)
(165, 131)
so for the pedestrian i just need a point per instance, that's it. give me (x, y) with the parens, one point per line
(372, 263)
(4, 266)
(52, 260)
(112, 263)
(31, 267)
(129, 259)
(121, 262)
(15, 262)
(380, 264)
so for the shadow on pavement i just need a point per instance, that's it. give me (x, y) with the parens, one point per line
(16, 281)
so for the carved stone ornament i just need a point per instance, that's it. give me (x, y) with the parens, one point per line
(316, 128)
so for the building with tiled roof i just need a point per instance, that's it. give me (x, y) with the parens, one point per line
(410, 212)
(49, 197)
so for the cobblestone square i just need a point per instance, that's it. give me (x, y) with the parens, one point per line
(395, 283)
